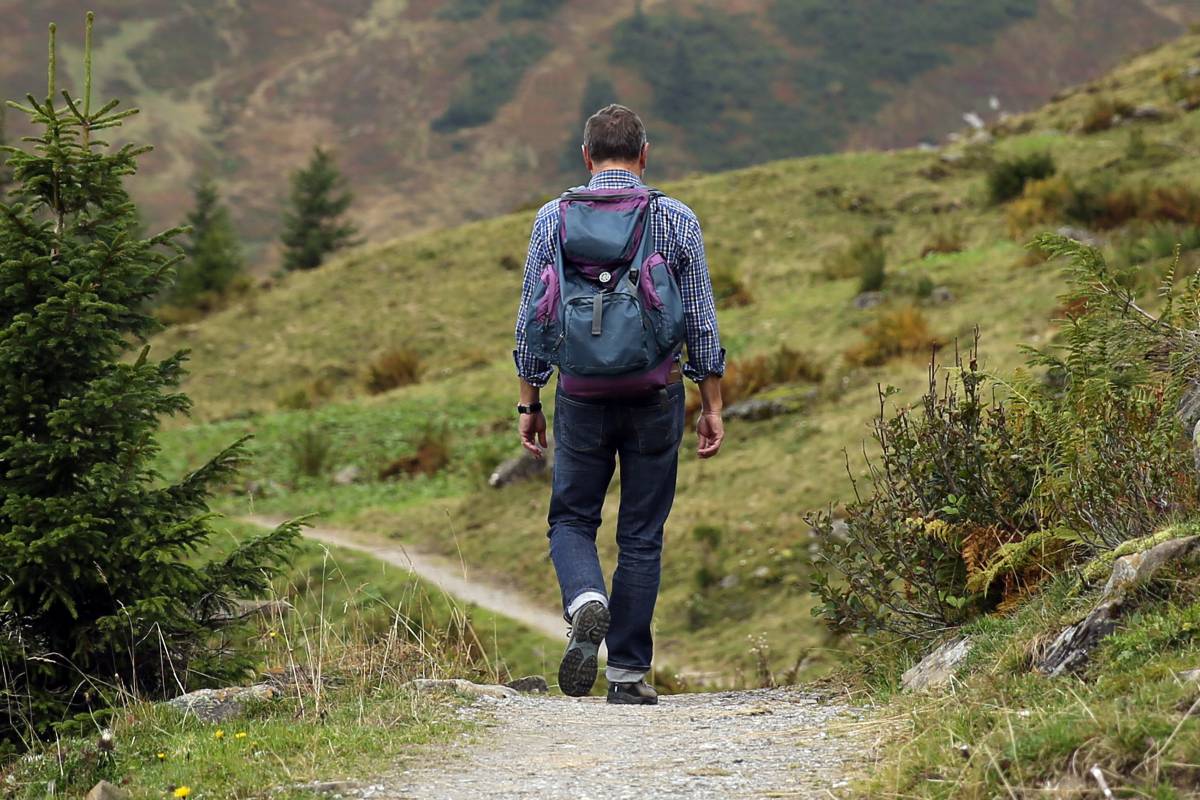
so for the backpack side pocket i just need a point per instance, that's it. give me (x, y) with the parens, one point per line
(663, 302)
(543, 326)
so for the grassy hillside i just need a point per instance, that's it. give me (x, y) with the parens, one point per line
(778, 237)
(463, 109)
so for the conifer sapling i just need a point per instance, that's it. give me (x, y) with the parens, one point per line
(102, 584)
(313, 225)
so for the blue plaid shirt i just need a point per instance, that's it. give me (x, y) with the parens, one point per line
(677, 237)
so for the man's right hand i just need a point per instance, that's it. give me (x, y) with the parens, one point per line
(533, 433)
(710, 429)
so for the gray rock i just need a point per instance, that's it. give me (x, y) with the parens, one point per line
(1188, 412)
(868, 300)
(939, 667)
(756, 410)
(1148, 111)
(1081, 235)
(1189, 675)
(270, 609)
(465, 687)
(521, 468)
(218, 705)
(106, 791)
(1135, 569)
(347, 475)
(730, 581)
(1071, 649)
(531, 684)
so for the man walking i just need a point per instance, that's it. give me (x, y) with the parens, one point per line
(608, 297)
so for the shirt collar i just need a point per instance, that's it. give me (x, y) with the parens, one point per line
(614, 179)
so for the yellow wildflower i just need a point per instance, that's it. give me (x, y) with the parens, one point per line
(162, 756)
(182, 791)
(240, 735)
(220, 734)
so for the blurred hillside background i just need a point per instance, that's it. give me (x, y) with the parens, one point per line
(442, 111)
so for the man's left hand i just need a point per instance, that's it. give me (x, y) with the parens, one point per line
(533, 433)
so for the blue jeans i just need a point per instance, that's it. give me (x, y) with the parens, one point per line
(588, 437)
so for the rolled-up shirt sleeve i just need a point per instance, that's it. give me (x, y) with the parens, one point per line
(705, 356)
(530, 368)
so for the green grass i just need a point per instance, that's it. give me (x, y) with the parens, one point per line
(1129, 712)
(364, 625)
(771, 227)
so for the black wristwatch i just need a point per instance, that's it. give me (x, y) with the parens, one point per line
(532, 408)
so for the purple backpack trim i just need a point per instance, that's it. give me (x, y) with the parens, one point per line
(646, 280)
(624, 386)
(548, 304)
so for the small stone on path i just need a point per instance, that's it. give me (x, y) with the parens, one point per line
(466, 687)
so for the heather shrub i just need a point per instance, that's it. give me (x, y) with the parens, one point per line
(895, 332)
(864, 258)
(1007, 178)
(397, 367)
(1103, 113)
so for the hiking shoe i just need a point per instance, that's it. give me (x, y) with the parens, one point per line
(577, 672)
(632, 694)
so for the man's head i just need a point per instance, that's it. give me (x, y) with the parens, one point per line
(615, 138)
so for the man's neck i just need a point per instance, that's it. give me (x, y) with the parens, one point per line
(610, 165)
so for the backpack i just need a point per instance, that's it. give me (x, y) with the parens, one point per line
(608, 311)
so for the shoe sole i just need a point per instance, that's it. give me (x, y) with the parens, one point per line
(577, 672)
(618, 700)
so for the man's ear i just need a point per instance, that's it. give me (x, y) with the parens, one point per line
(642, 157)
(587, 158)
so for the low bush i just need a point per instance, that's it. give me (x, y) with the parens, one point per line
(946, 237)
(1182, 89)
(1157, 241)
(395, 368)
(1101, 202)
(1104, 113)
(747, 377)
(431, 457)
(975, 502)
(1007, 178)
(864, 258)
(311, 452)
(895, 332)
(729, 290)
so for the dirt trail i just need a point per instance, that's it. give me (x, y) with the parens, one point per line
(451, 578)
(748, 744)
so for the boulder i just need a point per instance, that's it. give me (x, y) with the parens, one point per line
(531, 684)
(941, 295)
(756, 410)
(347, 475)
(1072, 648)
(522, 467)
(493, 691)
(1081, 235)
(939, 667)
(1147, 111)
(218, 705)
(106, 791)
(1135, 569)
(868, 300)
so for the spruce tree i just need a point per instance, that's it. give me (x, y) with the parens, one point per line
(313, 225)
(5, 172)
(103, 586)
(213, 254)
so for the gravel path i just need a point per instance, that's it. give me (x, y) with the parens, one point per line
(451, 577)
(747, 744)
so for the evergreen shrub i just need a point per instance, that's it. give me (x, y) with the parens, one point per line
(101, 591)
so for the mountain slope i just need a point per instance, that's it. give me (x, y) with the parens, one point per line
(737, 551)
(462, 109)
